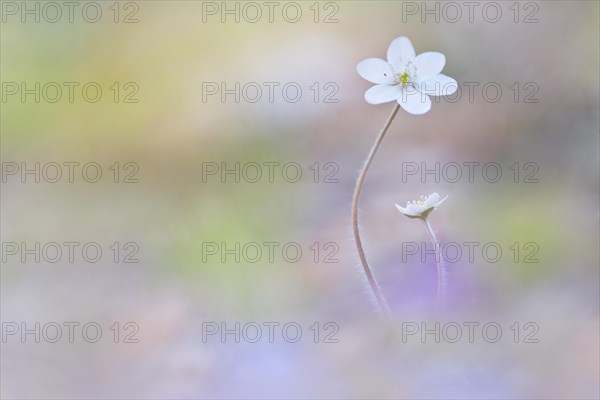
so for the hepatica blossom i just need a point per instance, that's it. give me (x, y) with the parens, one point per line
(406, 78)
(423, 207)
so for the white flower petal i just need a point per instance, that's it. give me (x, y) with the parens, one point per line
(430, 63)
(414, 209)
(401, 209)
(414, 102)
(407, 212)
(432, 200)
(441, 201)
(400, 52)
(438, 85)
(383, 93)
(376, 70)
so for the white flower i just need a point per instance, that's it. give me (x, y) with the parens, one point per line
(421, 208)
(406, 77)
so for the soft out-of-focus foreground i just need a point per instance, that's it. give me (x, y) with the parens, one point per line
(517, 152)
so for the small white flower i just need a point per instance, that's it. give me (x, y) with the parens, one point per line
(421, 208)
(406, 77)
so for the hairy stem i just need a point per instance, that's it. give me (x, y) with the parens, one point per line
(441, 278)
(383, 307)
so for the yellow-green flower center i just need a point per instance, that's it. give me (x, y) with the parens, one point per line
(404, 78)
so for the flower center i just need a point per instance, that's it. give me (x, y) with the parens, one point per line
(408, 77)
(404, 79)
(421, 201)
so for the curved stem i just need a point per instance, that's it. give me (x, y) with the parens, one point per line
(440, 269)
(383, 307)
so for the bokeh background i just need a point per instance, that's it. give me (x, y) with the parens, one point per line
(170, 212)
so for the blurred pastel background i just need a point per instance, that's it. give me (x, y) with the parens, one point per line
(171, 132)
